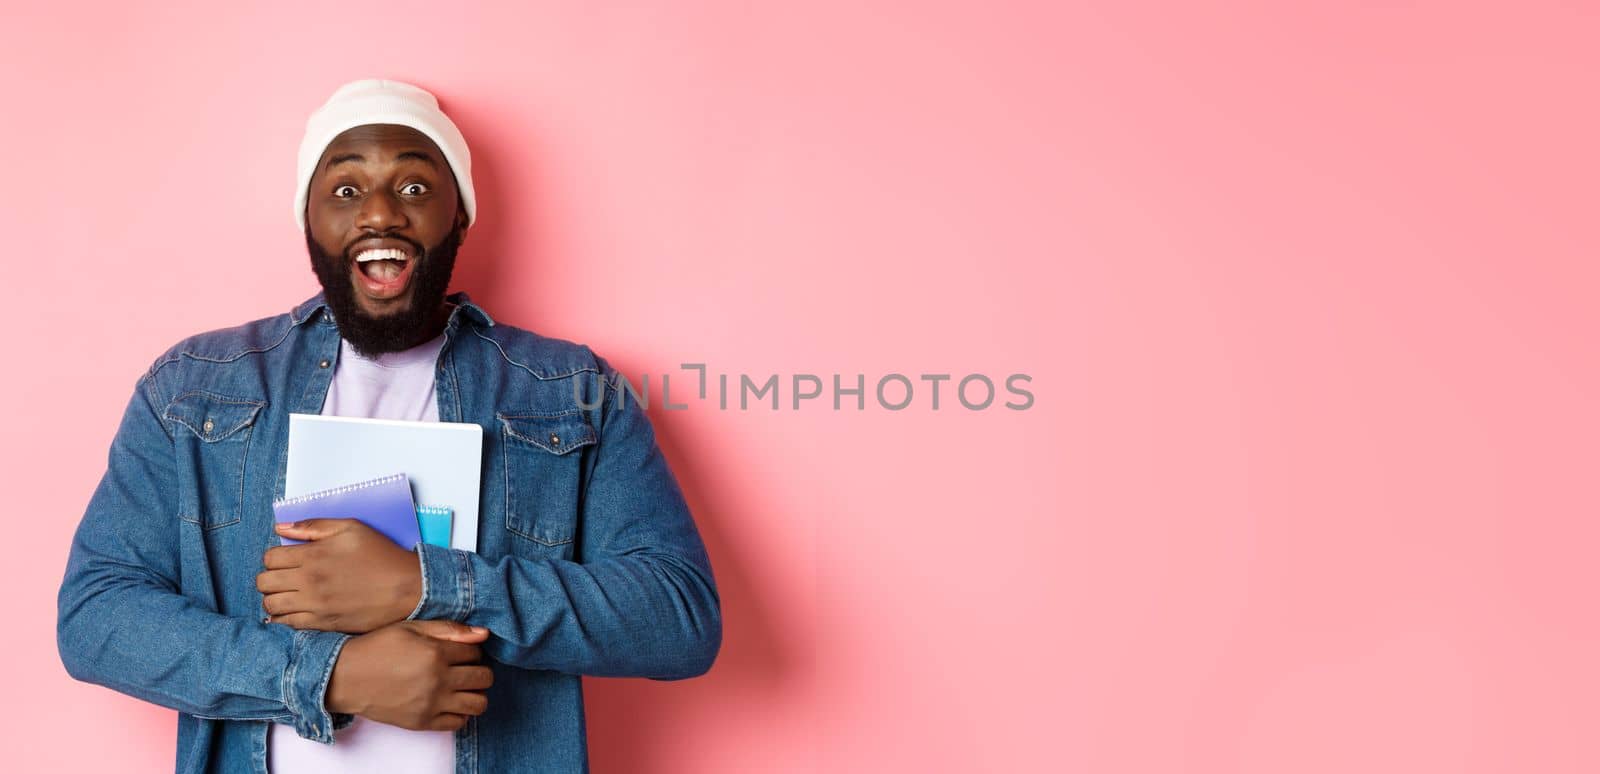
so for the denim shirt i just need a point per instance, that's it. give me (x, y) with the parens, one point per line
(588, 560)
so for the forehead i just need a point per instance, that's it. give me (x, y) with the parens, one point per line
(380, 144)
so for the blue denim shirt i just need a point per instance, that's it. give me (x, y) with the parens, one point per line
(588, 560)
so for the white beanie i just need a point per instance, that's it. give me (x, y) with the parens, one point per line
(375, 101)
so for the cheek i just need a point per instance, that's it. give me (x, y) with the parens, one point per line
(435, 222)
(328, 224)
(330, 249)
(327, 233)
(441, 213)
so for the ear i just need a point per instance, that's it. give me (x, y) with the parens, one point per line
(461, 221)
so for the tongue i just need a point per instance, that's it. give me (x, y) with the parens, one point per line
(382, 271)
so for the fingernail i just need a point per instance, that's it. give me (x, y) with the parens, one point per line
(479, 630)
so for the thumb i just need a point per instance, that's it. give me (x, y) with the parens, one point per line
(451, 630)
(313, 529)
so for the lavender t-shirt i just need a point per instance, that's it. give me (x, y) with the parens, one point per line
(397, 385)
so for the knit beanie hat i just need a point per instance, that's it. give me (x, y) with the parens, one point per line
(375, 101)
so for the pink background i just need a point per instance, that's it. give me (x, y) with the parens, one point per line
(1306, 295)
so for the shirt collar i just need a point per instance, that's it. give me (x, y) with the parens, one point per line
(317, 305)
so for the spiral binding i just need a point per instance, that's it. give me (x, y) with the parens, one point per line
(338, 490)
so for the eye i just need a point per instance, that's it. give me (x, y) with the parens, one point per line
(340, 191)
(414, 189)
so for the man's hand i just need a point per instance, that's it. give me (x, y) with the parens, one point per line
(348, 577)
(420, 675)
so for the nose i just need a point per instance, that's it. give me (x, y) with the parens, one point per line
(381, 212)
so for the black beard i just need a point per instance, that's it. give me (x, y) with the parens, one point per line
(394, 332)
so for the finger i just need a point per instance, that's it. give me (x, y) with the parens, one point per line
(274, 581)
(466, 703)
(451, 630)
(284, 603)
(296, 620)
(460, 652)
(281, 557)
(447, 722)
(470, 678)
(314, 529)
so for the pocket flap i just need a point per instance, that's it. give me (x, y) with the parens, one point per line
(212, 417)
(555, 433)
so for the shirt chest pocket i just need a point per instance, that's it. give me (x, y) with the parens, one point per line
(211, 436)
(544, 470)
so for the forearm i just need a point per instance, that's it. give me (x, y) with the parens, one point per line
(132, 635)
(633, 615)
(639, 601)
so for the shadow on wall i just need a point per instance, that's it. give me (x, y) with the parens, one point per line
(632, 722)
(477, 269)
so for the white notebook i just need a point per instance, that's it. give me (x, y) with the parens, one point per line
(442, 459)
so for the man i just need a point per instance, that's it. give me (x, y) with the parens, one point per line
(348, 652)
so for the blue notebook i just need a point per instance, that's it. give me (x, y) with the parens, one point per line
(384, 504)
(434, 520)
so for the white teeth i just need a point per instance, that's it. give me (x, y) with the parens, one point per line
(386, 254)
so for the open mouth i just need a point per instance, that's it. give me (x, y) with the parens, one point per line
(383, 272)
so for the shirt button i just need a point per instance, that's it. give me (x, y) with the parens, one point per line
(207, 426)
(555, 440)
(324, 363)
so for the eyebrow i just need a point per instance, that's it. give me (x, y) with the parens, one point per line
(410, 154)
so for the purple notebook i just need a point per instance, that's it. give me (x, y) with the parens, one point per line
(383, 503)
